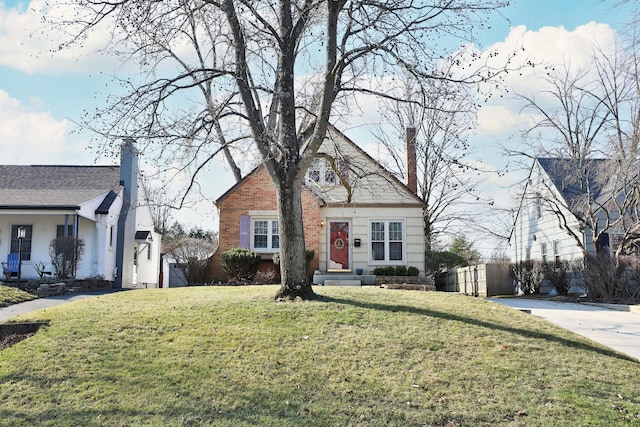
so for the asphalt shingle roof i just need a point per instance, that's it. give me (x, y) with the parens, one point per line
(573, 179)
(55, 186)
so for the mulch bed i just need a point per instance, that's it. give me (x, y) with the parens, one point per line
(12, 339)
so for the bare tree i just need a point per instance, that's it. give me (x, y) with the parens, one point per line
(594, 116)
(443, 114)
(253, 57)
(161, 206)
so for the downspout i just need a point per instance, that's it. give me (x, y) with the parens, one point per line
(76, 234)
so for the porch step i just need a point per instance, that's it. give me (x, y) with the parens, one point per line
(342, 283)
(364, 279)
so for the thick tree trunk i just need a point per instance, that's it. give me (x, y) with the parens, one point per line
(293, 266)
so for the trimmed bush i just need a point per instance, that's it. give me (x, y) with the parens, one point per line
(400, 270)
(240, 264)
(413, 271)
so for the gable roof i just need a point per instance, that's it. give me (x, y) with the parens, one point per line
(339, 134)
(54, 187)
(573, 178)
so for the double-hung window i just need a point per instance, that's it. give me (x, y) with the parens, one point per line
(265, 235)
(387, 241)
(556, 251)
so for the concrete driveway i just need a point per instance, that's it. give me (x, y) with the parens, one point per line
(619, 330)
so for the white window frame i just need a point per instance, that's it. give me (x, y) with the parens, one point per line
(387, 241)
(270, 234)
(544, 252)
(326, 176)
(556, 251)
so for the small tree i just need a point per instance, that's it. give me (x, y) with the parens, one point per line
(192, 255)
(464, 248)
(191, 249)
(65, 253)
(443, 261)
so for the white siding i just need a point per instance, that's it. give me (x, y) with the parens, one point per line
(369, 182)
(44, 231)
(376, 195)
(531, 230)
(360, 219)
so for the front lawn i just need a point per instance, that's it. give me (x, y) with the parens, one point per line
(10, 295)
(229, 356)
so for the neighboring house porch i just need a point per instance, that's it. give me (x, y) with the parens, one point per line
(100, 205)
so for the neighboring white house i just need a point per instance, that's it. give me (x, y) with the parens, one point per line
(102, 205)
(551, 223)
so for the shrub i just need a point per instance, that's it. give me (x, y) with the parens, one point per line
(384, 271)
(442, 261)
(192, 256)
(559, 274)
(264, 277)
(603, 277)
(529, 275)
(65, 253)
(413, 271)
(400, 270)
(240, 264)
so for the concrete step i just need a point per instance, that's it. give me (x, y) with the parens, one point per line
(342, 283)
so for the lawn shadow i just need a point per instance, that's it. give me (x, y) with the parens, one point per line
(493, 326)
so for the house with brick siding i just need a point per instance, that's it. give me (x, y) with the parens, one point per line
(357, 215)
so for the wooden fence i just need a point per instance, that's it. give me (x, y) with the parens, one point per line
(483, 280)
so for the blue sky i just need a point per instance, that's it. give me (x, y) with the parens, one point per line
(42, 95)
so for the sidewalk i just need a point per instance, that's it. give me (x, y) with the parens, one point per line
(14, 310)
(616, 329)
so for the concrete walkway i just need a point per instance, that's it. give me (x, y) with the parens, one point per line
(14, 310)
(618, 330)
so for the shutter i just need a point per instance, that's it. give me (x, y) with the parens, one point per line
(245, 232)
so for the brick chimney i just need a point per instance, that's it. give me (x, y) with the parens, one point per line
(411, 175)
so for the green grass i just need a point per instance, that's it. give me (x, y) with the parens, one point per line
(9, 296)
(229, 356)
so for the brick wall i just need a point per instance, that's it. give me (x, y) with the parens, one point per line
(257, 192)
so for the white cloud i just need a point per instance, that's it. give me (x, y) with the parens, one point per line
(549, 48)
(30, 136)
(501, 120)
(30, 43)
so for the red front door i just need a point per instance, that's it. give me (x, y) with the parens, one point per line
(339, 245)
